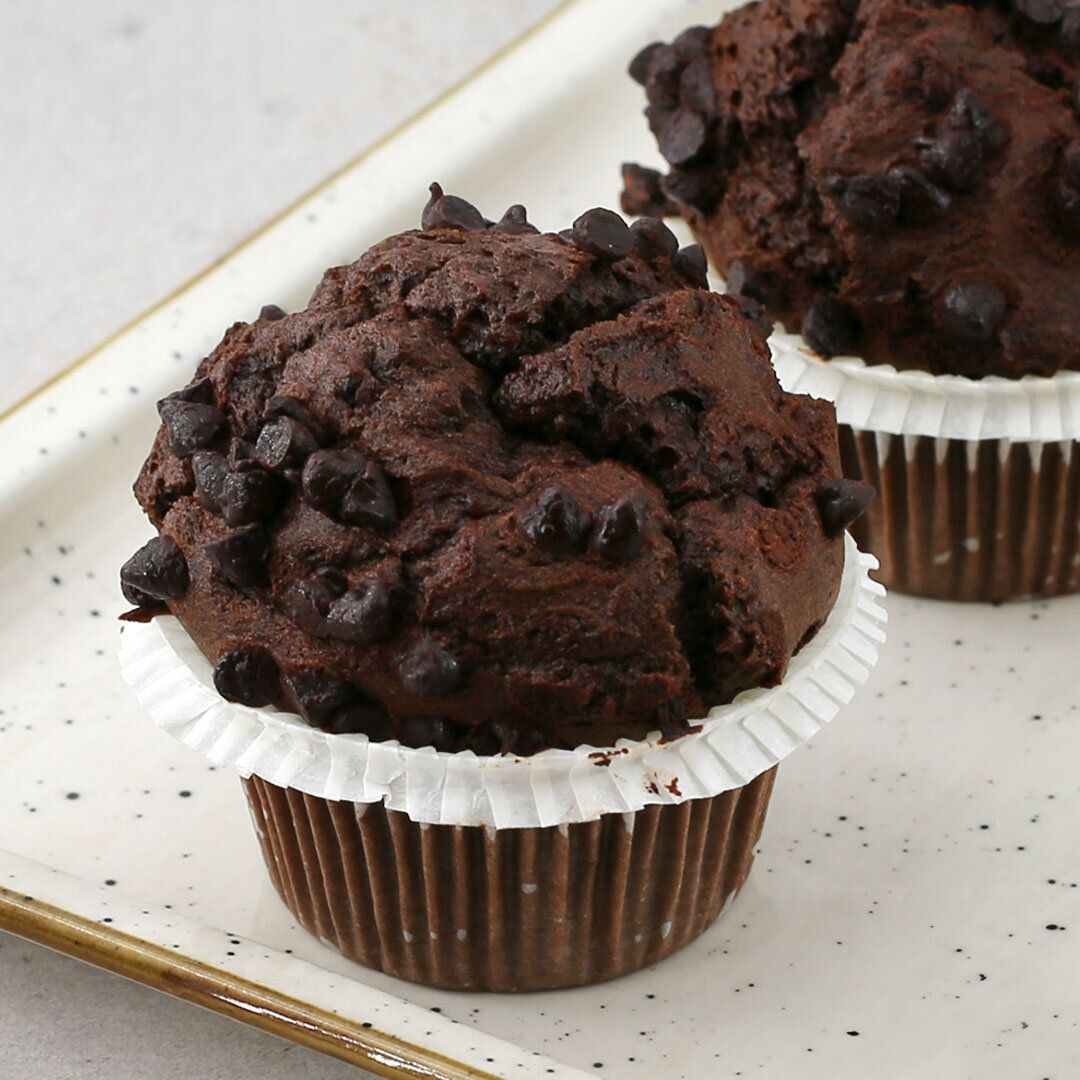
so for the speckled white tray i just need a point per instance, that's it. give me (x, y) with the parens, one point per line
(914, 910)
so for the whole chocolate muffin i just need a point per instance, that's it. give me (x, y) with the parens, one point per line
(899, 179)
(496, 490)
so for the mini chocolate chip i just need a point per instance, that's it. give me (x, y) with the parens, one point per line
(209, 469)
(360, 718)
(869, 202)
(921, 200)
(514, 222)
(284, 442)
(642, 62)
(421, 731)
(653, 239)
(271, 312)
(429, 670)
(252, 494)
(662, 83)
(190, 425)
(361, 615)
(829, 327)
(957, 157)
(682, 136)
(318, 694)
(693, 42)
(308, 601)
(602, 233)
(248, 675)
(970, 111)
(240, 558)
(450, 212)
(840, 502)
(157, 571)
(642, 193)
(556, 524)
(972, 310)
(200, 391)
(620, 529)
(690, 261)
(346, 485)
(697, 88)
(1040, 12)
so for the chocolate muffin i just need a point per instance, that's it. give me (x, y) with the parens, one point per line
(898, 179)
(496, 490)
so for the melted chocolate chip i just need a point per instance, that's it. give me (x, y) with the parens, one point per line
(642, 193)
(921, 200)
(1040, 12)
(284, 443)
(429, 670)
(240, 558)
(271, 312)
(190, 425)
(641, 64)
(250, 494)
(602, 233)
(653, 239)
(620, 529)
(360, 718)
(829, 327)
(318, 694)
(248, 675)
(690, 261)
(450, 212)
(868, 202)
(346, 485)
(361, 615)
(840, 502)
(421, 731)
(157, 571)
(972, 310)
(956, 157)
(682, 136)
(514, 221)
(209, 469)
(557, 524)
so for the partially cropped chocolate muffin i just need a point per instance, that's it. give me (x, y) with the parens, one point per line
(496, 490)
(898, 179)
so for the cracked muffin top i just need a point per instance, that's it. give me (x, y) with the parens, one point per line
(496, 490)
(898, 178)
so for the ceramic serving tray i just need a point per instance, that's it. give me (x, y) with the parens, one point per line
(914, 908)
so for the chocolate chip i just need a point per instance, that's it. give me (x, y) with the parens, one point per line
(971, 310)
(693, 42)
(690, 188)
(653, 239)
(286, 405)
(642, 193)
(697, 88)
(346, 485)
(241, 454)
(519, 740)
(602, 233)
(829, 327)
(318, 694)
(620, 529)
(201, 391)
(271, 312)
(450, 212)
(921, 200)
(566, 235)
(745, 281)
(248, 675)
(429, 670)
(421, 731)
(250, 494)
(956, 156)
(209, 469)
(662, 83)
(514, 222)
(556, 524)
(690, 261)
(482, 740)
(1040, 12)
(840, 502)
(642, 62)
(240, 558)
(190, 425)
(361, 615)
(971, 112)
(308, 600)
(284, 443)
(360, 718)
(868, 202)
(755, 313)
(682, 137)
(157, 571)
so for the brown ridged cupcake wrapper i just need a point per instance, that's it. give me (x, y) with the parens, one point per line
(472, 908)
(960, 519)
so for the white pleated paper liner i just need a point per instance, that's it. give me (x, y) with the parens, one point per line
(915, 403)
(737, 742)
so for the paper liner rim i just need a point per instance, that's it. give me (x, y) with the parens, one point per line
(736, 742)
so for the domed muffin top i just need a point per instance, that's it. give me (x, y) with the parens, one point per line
(898, 178)
(496, 490)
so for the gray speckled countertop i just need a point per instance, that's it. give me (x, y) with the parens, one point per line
(140, 142)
